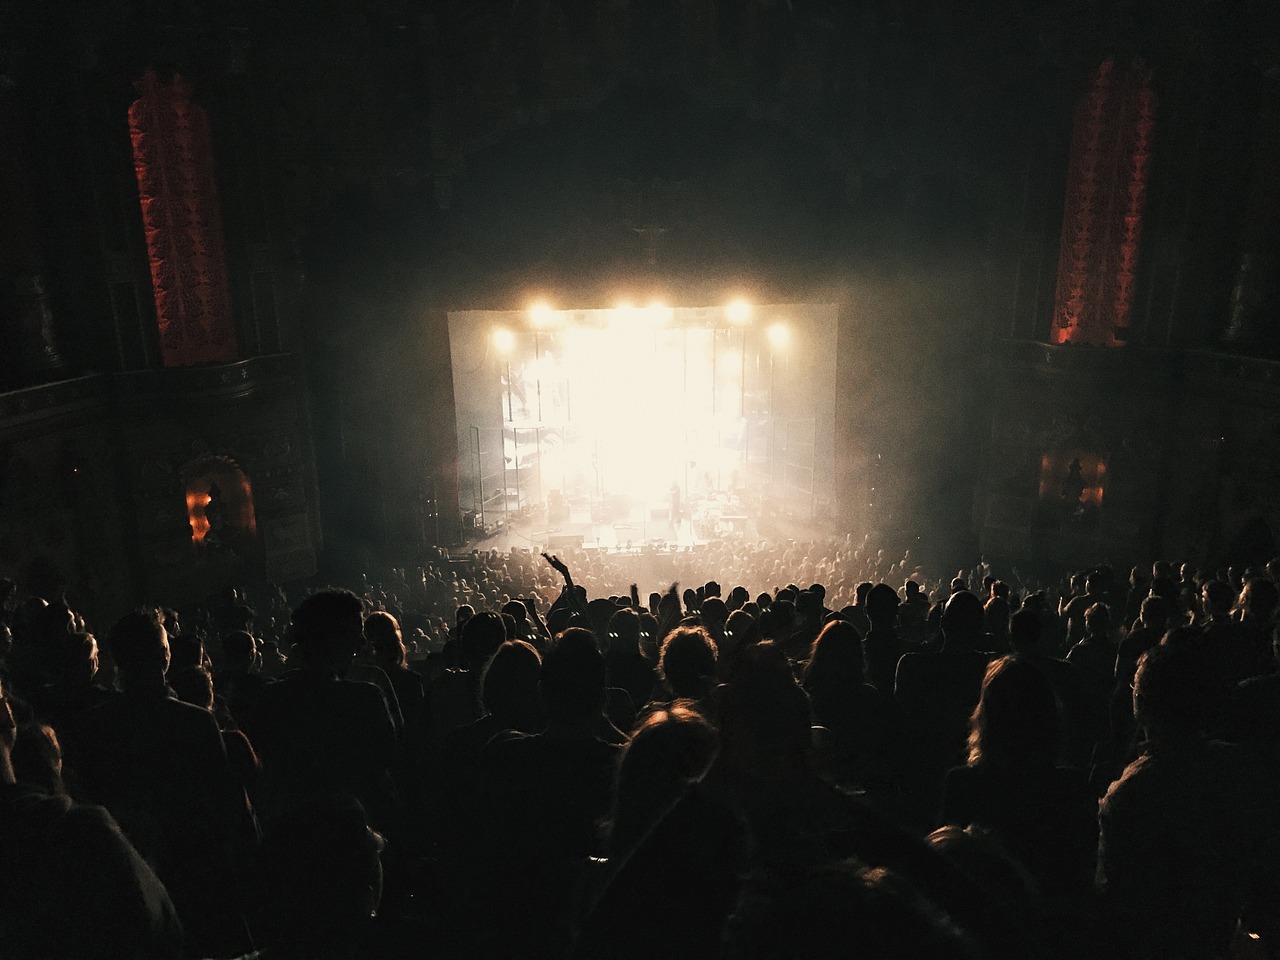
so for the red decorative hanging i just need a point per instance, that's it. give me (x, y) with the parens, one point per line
(1107, 178)
(182, 220)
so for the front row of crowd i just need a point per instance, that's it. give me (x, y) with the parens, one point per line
(706, 776)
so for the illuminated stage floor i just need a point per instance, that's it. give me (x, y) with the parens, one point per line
(640, 528)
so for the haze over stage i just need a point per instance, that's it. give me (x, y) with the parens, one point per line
(642, 424)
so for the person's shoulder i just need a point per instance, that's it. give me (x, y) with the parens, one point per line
(18, 801)
(105, 707)
(1135, 778)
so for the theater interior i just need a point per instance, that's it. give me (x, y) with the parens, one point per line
(288, 286)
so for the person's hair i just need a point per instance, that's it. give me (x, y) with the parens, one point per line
(481, 637)
(742, 627)
(1097, 619)
(1259, 598)
(238, 649)
(509, 684)
(193, 685)
(185, 650)
(382, 630)
(74, 659)
(1220, 596)
(37, 758)
(1024, 630)
(835, 659)
(137, 641)
(764, 716)
(1017, 719)
(573, 676)
(670, 749)
(963, 613)
(714, 611)
(1172, 686)
(327, 625)
(516, 611)
(882, 603)
(1154, 611)
(688, 661)
(624, 631)
(775, 623)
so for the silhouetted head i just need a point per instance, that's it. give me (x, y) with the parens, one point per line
(835, 659)
(481, 637)
(777, 622)
(327, 629)
(688, 662)
(1173, 686)
(765, 726)
(624, 631)
(669, 750)
(37, 758)
(882, 605)
(74, 658)
(962, 618)
(1154, 612)
(239, 650)
(1171, 689)
(193, 685)
(714, 614)
(509, 686)
(573, 677)
(382, 632)
(1258, 599)
(740, 629)
(1097, 620)
(1024, 632)
(138, 644)
(1017, 719)
(185, 650)
(1219, 597)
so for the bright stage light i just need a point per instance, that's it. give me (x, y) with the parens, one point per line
(779, 335)
(739, 311)
(541, 314)
(504, 341)
(658, 313)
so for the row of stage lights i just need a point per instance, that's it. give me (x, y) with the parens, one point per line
(656, 314)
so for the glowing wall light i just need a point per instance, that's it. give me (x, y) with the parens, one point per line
(541, 314)
(779, 335)
(504, 341)
(738, 311)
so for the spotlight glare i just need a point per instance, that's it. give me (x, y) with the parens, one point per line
(658, 313)
(739, 311)
(779, 335)
(541, 314)
(504, 341)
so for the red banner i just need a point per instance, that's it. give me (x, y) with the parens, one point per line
(1102, 217)
(173, 160)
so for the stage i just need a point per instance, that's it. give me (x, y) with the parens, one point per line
(616, 525)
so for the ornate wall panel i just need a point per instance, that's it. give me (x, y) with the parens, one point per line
(182, 220)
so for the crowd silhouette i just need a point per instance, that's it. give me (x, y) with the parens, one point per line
(513, 755)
